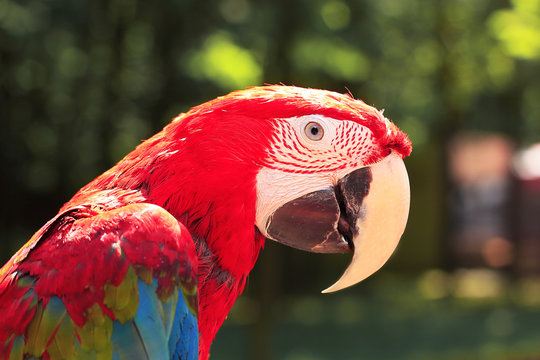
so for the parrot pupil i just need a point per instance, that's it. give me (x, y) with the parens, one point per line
(314, 131)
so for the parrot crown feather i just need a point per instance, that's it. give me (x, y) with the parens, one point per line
(280, 102)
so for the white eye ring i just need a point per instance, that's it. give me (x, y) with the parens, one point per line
(314, 131)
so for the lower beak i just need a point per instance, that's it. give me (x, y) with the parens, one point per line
(365, 213)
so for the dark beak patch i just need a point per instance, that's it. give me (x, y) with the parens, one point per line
(323, 221)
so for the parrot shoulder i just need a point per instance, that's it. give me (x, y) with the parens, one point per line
(117, 283)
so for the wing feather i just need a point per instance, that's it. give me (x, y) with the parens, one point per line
(102, 284)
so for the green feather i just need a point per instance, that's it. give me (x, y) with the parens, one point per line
(25, 281)
(85, 354)
(17, 349)
(63, 344)
(96, 333)
(33, 347)
(43, 325)
(123, 300)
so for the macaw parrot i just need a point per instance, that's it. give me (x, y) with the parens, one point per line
(145, 261)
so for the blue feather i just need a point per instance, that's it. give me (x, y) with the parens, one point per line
(160, 330)
(184, 339)
(127, 342)
(149, 323)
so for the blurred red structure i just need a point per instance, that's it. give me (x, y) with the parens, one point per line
(495, 203)
(481, 226)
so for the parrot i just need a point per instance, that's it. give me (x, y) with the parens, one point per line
(146, 261)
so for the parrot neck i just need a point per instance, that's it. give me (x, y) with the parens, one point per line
(219, 211)
(227, 246)
(218, 291)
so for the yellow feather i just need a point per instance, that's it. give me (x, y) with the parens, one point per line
(123, 300)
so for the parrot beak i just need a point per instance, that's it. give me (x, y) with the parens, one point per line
(380, 223)
(366, 212)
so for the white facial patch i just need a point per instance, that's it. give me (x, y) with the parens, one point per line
(307, 165)
(271, 194)
(344, 144)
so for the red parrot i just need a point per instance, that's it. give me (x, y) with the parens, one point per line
(146, 260)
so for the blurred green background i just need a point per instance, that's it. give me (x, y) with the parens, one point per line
(83, 82)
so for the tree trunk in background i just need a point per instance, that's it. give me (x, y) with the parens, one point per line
(269, 273)
(449, 124)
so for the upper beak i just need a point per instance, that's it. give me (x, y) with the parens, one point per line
(366, 212)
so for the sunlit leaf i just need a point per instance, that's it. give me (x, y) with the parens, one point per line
(223, 62)
(519, 32)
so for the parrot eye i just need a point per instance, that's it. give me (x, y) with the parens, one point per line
(314, 131)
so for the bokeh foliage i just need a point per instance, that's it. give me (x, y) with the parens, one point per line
(83, 82)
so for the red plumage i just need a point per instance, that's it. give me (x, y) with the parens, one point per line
(202, 170)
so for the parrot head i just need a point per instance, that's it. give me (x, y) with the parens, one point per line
(335, 182)
(351, 194)
(325, 172)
